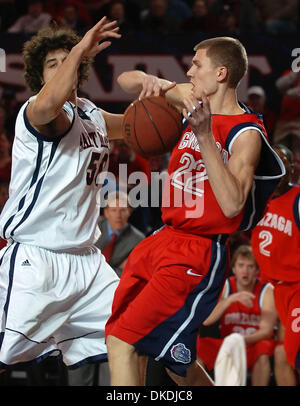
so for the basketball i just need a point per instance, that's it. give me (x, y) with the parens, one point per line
(151, 126)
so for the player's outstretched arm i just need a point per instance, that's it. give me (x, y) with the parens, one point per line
(244, 297)
(47, 106)
(145, 85)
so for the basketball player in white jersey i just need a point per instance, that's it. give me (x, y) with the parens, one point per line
(56, 289)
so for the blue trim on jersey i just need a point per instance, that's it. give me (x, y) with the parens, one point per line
(296, 210)
(42, 137)
(82, 114)
(33, 181)
(10, 282)
(232, 133)
(95, 358)
(182, 327)
(33, 361)
(37, 189)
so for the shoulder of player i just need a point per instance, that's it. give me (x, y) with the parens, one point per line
(46, 126)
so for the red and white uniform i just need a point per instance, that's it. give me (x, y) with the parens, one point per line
(173, 278)
(241, 319)
(276, 246)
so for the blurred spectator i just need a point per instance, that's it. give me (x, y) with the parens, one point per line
(4, 187)
(71, 20)
(158, 166)
(179, 9)
(257, 102)
(156, 20)
(123, 154)
(236, 239)
(2, 119)
(228, 23)
(243, 10)
(118, 237)
(117, 11)
(9, 103)
(56, 9)
(33, 21)
(201, 20)
(7, 14)
(131, 12)
(280, 17)
(295, 178)
(246, 307)
(287, 130)
(134, 164)
(5, 157)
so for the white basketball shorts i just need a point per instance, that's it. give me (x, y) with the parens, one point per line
(54, 303)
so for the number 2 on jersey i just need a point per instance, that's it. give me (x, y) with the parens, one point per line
(267, 239)
(183, 178)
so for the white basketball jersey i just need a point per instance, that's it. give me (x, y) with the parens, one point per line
(54, 190)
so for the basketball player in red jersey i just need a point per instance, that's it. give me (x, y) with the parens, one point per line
(246, 307)
(218, 184)
(276, 246)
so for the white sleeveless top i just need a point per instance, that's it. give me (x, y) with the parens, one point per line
(55, 182)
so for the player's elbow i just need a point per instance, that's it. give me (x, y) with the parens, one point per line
(42, 112)
(231, 211)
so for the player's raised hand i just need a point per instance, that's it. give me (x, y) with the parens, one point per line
(198, 115)
(90, 44)
(153, 86)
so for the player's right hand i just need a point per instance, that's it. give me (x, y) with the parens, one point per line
(90, 44)
(153, 86)
(246, 298)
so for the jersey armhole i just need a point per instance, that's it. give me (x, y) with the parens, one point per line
(42, 137)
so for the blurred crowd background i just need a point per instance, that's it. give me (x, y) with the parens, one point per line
(273, 22)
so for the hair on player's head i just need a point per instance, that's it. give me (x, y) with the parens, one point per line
(36, 49)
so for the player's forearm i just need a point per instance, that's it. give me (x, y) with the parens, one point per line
(225, 186)
(217, 312)
(261, 334)
(58, 89)
(132, 81)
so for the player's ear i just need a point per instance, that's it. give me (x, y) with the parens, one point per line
(222, 73)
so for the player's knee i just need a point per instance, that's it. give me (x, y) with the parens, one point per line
(115, 346)
(263, 361)
(279, 354)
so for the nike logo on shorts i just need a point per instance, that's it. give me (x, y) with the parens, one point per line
(190, 272)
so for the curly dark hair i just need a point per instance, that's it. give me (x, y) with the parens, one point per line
(36, 49)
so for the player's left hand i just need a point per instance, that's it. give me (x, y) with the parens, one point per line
(152, 86)
(198, 115)
(90, 44)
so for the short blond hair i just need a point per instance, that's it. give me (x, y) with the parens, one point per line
(228, 52)
(244, 251)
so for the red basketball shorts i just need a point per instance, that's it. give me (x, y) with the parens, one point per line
(169, 286)
(287, 301)
(208, 348)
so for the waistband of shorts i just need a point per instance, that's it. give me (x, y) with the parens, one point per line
(221, 238)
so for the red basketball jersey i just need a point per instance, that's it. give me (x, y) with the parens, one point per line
(239, 318)
(276, 238)
(188, 183)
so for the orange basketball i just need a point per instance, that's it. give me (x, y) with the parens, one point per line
(151, 126)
